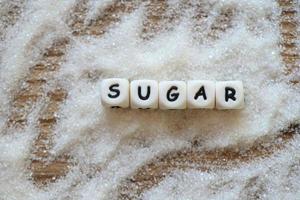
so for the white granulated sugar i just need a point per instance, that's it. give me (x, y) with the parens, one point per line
(95, 8)
(25, 41)
(108, 146)
(277, 177)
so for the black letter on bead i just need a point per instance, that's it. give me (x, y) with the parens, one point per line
(229, 93)
(174, 95)
(140, 93)
(201, 92)
(111, 88)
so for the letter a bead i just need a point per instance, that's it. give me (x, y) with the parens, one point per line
(172, 95)
(201, 94)
(115, 93)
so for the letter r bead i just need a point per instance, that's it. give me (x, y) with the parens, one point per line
(115, 93)
(229, 95)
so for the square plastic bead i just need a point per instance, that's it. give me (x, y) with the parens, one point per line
(229, 95)
(172, 95)
(115, 93)
(201, 94)
(144, 94)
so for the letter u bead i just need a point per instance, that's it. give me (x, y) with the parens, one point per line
(144, 94)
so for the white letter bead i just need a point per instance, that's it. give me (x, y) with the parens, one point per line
(172, 95)
(201, 94)
(144, 94)
(115, 92)
(229, 95)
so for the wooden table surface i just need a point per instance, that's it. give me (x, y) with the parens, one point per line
(154, 171)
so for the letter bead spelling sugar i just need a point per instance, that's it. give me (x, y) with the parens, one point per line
(144, 94)
(149, 94)
(200, 94)
(172, 95)
(229, 95)
(115, 93)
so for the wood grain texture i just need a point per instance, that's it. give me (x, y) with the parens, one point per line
(32, 90)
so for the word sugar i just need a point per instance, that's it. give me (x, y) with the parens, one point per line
(151, 94)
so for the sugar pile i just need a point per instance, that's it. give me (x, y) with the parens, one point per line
(108, 146)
